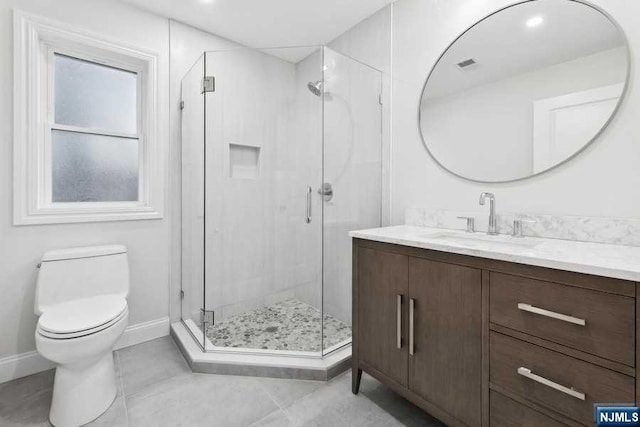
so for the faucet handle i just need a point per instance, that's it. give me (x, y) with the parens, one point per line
(471, 222)
(517, 225)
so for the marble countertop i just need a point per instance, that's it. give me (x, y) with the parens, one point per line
(616, 261)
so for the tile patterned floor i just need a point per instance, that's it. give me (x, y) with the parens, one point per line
(156, 388)
(287, 325)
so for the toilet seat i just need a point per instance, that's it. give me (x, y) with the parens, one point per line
(82, 317)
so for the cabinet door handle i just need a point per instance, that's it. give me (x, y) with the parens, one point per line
(399, 321)
(552, 314)
(412, 307)
(526, 372)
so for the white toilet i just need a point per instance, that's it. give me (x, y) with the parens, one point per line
(81, 298)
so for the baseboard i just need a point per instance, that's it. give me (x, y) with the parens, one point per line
(143, 332)
(29, 363)
(22, 364)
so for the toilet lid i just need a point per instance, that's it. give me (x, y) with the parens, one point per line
(82, 314)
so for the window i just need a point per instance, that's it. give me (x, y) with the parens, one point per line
(94, 134)
(84, 128)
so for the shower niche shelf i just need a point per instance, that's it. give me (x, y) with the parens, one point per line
(244, 161)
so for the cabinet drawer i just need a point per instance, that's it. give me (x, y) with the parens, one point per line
(551, 371)
(554, 312)
(505, 412)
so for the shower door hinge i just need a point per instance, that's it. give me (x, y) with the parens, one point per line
(181, 294)
(207, 317)
(181, 105)
(208, 84)
(380, 99)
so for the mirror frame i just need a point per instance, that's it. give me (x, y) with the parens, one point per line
(625, 89)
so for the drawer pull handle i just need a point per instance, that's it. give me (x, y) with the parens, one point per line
(525, 372)
(552, 314)
(412, 307)
(399, 321)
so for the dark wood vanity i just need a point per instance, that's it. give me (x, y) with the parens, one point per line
(481, 342)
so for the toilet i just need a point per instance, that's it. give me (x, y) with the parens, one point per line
(81, 298)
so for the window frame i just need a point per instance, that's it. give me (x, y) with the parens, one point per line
(36, 41)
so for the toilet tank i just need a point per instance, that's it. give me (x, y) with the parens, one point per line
(70, 274)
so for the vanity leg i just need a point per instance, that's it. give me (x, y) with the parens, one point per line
(355, 380)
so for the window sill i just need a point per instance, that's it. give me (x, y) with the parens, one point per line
(65, 216)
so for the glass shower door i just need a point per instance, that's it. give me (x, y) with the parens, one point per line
(352, 188)
(193, 197)
(263, 261)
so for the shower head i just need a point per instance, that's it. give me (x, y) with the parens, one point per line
(315, 87)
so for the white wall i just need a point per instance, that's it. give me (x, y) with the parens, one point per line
(22, 247)
(602, 181)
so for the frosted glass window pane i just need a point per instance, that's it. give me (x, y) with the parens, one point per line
(93, 168)
(95, 96)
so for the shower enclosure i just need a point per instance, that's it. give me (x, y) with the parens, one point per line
(281, 157)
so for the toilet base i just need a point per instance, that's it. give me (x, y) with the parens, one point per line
(82, 392)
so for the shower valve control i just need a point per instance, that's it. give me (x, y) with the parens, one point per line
(326, 191)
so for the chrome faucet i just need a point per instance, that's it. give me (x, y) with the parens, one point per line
(492, 212)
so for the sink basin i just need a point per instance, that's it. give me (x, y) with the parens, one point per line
(478, 239)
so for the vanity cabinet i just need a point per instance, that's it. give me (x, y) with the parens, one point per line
(418, 327)
(481, 342)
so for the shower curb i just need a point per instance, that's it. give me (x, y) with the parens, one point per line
(259, 365)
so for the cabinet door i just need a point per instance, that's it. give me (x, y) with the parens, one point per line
(382, 277)
(446, 365)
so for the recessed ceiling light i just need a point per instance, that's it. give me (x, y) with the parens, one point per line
(535, 21)
(207, 1)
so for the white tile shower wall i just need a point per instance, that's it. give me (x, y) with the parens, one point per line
(370, 43)
(602, 182)
(227, 292)
(259, 247)
(619, 231)
(21, 247)
(352, 165)
(357, 136)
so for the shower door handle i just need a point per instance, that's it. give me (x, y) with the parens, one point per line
(309, 191)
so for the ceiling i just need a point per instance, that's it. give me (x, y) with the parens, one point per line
(268, 23)
(504, 46)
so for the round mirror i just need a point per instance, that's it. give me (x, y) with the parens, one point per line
(524, 90)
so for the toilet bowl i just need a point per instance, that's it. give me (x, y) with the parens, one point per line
(82, 315)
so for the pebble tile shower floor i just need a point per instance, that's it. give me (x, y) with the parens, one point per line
(287, 325)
